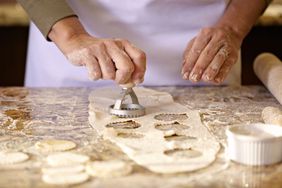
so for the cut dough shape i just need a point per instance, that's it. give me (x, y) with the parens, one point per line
(130, 124)
(7, 158)
(272, 115)
(148, 151)
(65, 179)
(122, 133)
(66, 159)
(54, 145)
(63, 169)
(112, 168)
(170, 117)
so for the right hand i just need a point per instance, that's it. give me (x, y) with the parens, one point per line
(110, 59)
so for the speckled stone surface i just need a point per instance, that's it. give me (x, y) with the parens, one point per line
(29, 115)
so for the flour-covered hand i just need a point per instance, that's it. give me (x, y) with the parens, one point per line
(210, 55)
(114, 59)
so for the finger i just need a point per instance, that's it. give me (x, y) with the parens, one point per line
(123, 64)
(93, 67)
(192, 56)
(138, 57)
(224, 70)
(106, 65)
(185, 68)
(214, 67)
(206, 58)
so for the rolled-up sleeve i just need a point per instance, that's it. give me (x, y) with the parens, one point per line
(45, 13)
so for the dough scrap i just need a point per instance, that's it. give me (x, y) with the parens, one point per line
(66, 159)
(63, 169)
(272, 115)
(112, 168)
(149, 150)
(65, 179)
(55, 145)
(7, 158)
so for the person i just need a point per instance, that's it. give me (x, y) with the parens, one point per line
(186, 41)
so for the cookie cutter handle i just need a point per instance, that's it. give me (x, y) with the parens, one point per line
(124, 93)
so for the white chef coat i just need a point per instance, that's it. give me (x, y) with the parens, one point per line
(162, 28)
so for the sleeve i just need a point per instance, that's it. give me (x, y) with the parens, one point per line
(45, 13)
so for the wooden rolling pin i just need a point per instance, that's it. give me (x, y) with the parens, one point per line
(268, 69)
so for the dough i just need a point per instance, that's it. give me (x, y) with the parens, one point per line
(66, 159)
(272, 115)
(12, 157)
(63, 169)
(54, 145)
(150, 149)
(108, 168)
(63, 179)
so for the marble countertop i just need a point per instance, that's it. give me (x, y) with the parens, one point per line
(29, 115)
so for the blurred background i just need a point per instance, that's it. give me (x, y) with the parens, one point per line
(266, 36)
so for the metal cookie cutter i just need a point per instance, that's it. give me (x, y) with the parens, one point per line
(123, 110)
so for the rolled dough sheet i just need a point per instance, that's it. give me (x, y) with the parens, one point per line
(151, 149)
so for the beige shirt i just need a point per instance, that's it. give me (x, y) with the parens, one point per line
(45, 13)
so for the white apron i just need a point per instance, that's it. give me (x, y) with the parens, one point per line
(162, 28)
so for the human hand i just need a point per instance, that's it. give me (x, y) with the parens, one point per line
(113, 59)
(210, 55)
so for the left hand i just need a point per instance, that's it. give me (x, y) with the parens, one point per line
(210, 55)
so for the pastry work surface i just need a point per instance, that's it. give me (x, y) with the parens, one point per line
(28, 116)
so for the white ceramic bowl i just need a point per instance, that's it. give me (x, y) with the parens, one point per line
(255, 144)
